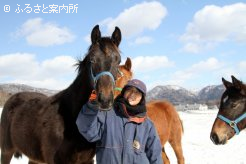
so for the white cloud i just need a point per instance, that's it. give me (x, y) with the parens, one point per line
(54, 73)
(136, 19)
(203, 68)
(40, 33)
(59, 65)
(208, 65)
(150, 63)
(143, 40)
(47, 83)
(18, 64)
(214, 24)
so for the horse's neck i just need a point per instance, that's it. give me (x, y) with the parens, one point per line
(77, 94)
(80, 90)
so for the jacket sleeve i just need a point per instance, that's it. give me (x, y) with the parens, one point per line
(154, 147)
(90, 122)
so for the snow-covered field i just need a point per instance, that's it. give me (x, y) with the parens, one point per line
(197, 146)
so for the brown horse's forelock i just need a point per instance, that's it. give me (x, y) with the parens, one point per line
(104, 43)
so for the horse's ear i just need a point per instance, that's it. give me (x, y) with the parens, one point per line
(128, 64)
(226, 83)
(116, 36)
(237, 84)
(95, 34)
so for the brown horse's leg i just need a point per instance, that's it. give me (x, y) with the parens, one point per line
(164, 157)
(175, 139)
(177, 147)
(6, 156)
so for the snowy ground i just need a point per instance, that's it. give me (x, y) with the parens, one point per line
(197, 146)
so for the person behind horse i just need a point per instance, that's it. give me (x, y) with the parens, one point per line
(123, 134)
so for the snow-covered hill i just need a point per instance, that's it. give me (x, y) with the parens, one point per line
(174, 94)
(211, 92)
(14, 88)
(179, 95)
(6, 90)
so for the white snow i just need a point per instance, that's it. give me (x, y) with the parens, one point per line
(175, 87)
(197, 146)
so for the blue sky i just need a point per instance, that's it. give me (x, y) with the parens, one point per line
(188, 43)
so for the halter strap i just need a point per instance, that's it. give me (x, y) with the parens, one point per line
(118, 89)
(234, 123)
(120, 72)
(121, 75)
(95, 78)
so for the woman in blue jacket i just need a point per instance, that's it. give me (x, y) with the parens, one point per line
(124, 135)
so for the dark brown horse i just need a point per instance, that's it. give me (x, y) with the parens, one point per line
(43, 128)
(231, 118)
(162, 113)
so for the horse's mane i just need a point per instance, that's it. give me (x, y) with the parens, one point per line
(80, 68)
(80, 64)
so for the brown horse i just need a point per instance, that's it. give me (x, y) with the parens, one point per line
(162, 113)
(44, 128)
(231, 118)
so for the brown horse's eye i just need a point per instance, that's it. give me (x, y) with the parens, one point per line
(117, 59)
(92, 60)
(234, 105)
(225, 99)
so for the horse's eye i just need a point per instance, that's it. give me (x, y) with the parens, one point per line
(119, 61)
(225, 99)
(234, 105)
(93, 60)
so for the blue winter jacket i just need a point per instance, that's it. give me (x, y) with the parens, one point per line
(119, 141)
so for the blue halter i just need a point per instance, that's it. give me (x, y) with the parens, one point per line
(234, 123)
(95, 78)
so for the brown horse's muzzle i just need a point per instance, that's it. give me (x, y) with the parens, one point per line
(221, 132)
(105, 92)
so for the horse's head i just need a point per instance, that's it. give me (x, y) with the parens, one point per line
(124, 75)
(231, 118)
(104, 58)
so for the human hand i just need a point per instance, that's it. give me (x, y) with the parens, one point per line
(93, 96)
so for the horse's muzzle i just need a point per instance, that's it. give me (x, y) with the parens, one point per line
(105, 103)
(216, 140)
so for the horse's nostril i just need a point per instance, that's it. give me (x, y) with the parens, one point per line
(214, 137)
(105, 102)
(99, 97)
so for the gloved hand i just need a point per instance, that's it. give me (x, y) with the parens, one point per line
(93, 98)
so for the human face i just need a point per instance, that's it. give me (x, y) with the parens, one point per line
(133, 95)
